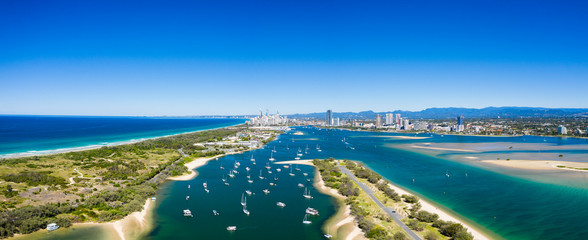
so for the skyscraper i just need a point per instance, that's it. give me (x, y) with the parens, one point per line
(460, 124)
(397, 119)
(329, 117)
(389, 118)
(562, 130)
(378, 120)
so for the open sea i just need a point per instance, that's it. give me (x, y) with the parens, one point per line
(503, 206)
(22, 135)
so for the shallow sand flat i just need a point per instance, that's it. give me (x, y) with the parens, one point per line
(397, 137)
(538, 164)
(301, 162)
(442, 149)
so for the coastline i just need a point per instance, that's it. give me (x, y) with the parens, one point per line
(342, 224)
(32, 153)
(478, 235)
(427, 206)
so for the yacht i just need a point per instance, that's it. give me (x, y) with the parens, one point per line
(278, 169)
(243, 200)
(266, 191)
(274, 149)
(299, 152)
(270, 171)
(247, 168)
(272, 157)
(300, 185)
(297, 158)
(291, 174)
(188, 186)
(312, 211)
(260, 176)
(305, 220)
(307, 194)
(245, 210)
(250, 181)
(215, 213)
(281, 204)
(232, 228)
(187, 198)
(231, 174)
(248, 192)
(305, 174)
(252, 159)
(204, 184)
(188, 213)
(286, 166)
(271, 184)
(206, 189)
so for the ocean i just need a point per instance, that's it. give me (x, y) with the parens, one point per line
(504, 206)
(25, 135)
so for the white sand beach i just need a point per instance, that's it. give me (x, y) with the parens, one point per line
(540, 164)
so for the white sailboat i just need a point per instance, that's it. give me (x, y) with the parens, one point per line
(291, 174)
(245, 210)
(307, 194)
(260, 176)
(272, 157)
(305, 220)
(243, 200)
(252, 159)
(281, 204)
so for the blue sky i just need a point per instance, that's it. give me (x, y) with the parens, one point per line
(234, 57)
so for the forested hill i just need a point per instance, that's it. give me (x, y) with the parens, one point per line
(436, 113)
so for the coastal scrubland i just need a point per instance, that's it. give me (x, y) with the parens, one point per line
(104, 184)
(373, 221)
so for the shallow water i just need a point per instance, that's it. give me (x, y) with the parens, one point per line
(504, 206)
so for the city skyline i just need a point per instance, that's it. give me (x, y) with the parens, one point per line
(209, 59)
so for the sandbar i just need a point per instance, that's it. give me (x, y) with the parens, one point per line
(540, 164)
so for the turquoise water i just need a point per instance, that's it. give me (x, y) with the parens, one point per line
(510, 207)
(46, 134)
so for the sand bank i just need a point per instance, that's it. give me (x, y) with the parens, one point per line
(540, 164)
(442, 215)
(130, 227)
(301, 162)
(442, 149)
(199, 162)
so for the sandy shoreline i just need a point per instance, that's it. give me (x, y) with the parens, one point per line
(95, 146)
(131, 226)
(539, 164)
(442, 215)
(319, 184)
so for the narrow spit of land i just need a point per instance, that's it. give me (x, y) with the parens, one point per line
(391, 212)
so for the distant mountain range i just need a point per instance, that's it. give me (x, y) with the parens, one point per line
(439, 113)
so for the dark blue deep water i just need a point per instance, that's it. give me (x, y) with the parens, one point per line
(30, 134)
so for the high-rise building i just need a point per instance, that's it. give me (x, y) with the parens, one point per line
(389, 118)
(329, 118)
(460, 124)
(562, 130)
(336, 122)
(397, 119)
(406, 124)
(378, 120)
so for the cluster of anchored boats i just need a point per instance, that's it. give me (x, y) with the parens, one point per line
(233, 172)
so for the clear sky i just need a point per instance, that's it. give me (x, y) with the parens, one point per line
(235, 57)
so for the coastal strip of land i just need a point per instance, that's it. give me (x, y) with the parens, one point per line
(341, 225)
(401, 211)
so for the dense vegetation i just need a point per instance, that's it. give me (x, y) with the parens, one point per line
(128, 167)
(34, 178)
(418, 220)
